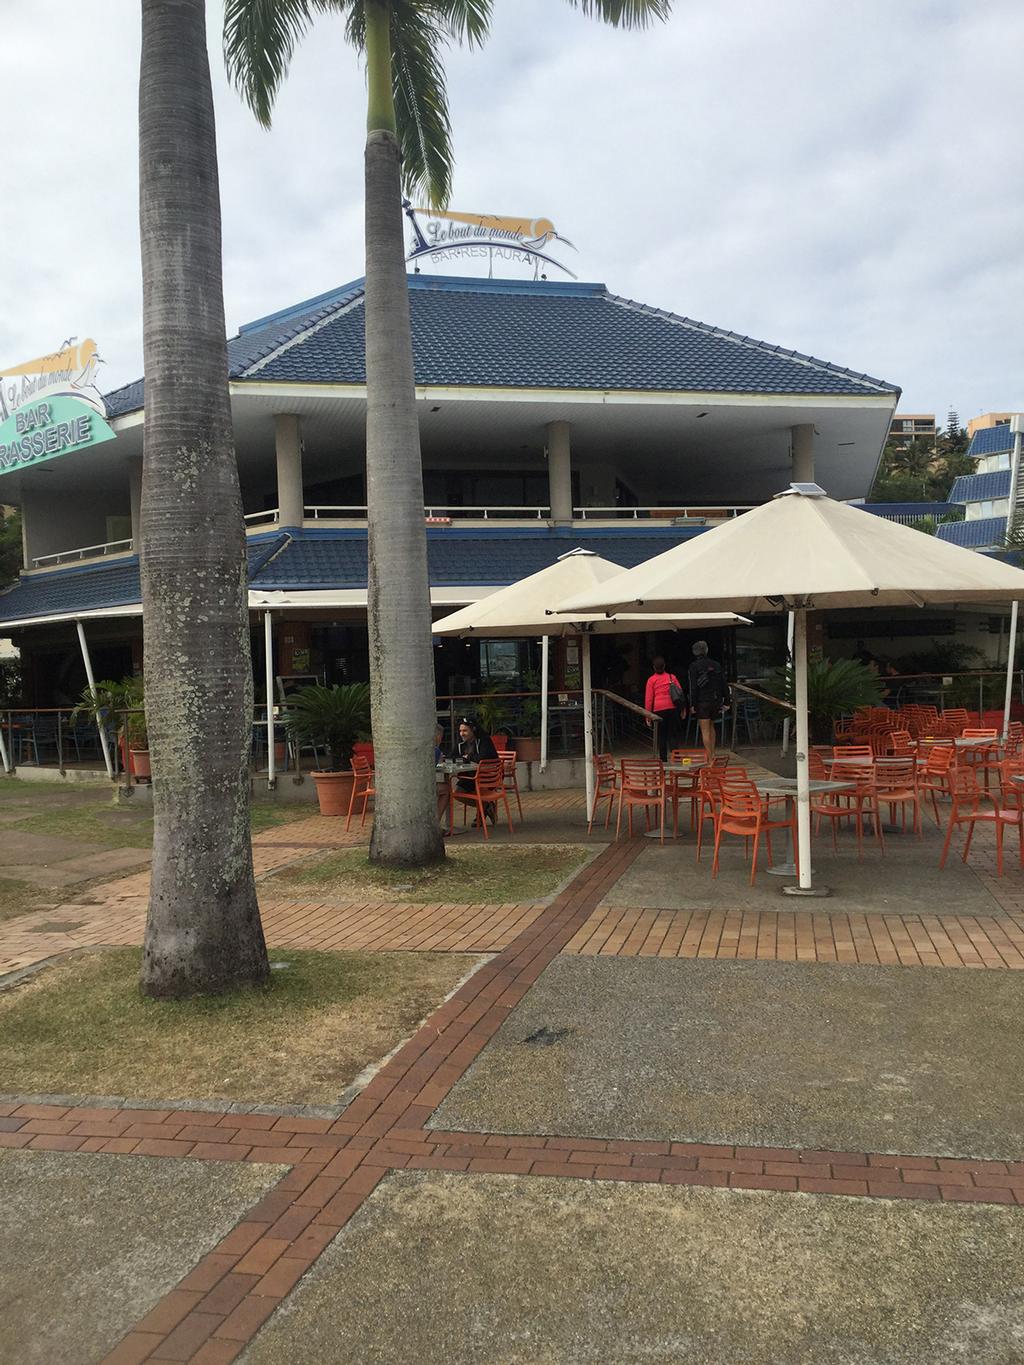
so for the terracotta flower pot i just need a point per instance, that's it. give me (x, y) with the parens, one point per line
(527, 749)
(140, 765)
(333, 791)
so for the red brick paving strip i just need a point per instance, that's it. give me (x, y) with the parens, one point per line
(217, 1309)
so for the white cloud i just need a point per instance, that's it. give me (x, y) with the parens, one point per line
(846, 180)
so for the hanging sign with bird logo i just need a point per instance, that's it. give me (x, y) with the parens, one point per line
(451, 236)
(51, 406)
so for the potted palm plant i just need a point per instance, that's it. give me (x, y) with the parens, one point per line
(834, 688)
(332, 720)
(117, 705)
(493, 715)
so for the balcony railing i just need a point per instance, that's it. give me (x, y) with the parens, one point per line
(477, 513)
(270, 517)
(111, 547)
(702, 513)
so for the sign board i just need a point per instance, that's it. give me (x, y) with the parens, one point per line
(451, 236)
(70, 372)
(44, 429)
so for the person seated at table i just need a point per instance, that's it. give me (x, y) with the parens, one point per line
(439, 744)
(474, 745)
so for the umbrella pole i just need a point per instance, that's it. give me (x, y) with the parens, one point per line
(1010, 661)
(544, 703)
(803, 792)
(588, 723)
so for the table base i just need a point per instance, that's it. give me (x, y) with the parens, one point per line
(782, 870)
(815, 892)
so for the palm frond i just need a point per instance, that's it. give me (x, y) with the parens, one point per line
(467, 21)
(260, 37)
(625, 13)
(418, 36)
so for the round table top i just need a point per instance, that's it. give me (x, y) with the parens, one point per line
(972, 743)
(786, 786)
(449, 766)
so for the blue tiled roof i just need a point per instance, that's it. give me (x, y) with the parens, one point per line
(337, 559)
(95, 587)
(983, 533)
(91, 588)
(526, 334)
(991, 441)
(979, 487)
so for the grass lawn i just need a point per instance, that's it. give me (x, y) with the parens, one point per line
(18, 898)
(467, 876)
(82, 1027)
(87, 813)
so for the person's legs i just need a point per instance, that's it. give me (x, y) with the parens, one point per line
(665, 732)
(707, 734)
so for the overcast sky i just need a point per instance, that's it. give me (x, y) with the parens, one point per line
(843, 178)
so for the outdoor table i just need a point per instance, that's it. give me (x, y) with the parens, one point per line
(673, 772)
(450, 772)
(786, 786)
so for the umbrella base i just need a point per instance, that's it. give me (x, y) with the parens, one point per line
(817, 892)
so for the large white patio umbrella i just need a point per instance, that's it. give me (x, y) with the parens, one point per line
(526, 609)
(803, 550)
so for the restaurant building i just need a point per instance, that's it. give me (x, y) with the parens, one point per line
(553, 415)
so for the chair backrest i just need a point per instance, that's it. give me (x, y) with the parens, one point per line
(739, 808)
(963, 785)
(816, 767)
(940, 758)
(979, 732)
(488, 774)
(900, 742)
(604, 765)
(845, 751)
(890, 776)
(642, 775)
(361, 766)
(508, 762)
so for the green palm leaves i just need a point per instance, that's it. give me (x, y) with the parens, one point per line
(260, 37)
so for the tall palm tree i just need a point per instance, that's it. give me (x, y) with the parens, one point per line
(203, 931)
(408, 143)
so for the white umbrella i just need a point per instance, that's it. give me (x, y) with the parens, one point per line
(803, 550)
(527, 608)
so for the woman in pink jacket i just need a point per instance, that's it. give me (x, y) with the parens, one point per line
(658, 698)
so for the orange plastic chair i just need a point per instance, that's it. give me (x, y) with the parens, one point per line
(897, 785)
(900, 744)
(852, 751)
(967, 809)
(985, 757)
(934, 776)
(606, 787)
(488, 789)
(362, 786)
(641, 783)
(508, 773)
(743, 812)
(953, 720)
(685, 785)
(860, 800)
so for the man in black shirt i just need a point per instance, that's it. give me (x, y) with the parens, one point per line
(707, 692)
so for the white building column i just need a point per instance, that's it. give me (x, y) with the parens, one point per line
(802, 448)
(135, 490)
(288, 445)
(560, 471)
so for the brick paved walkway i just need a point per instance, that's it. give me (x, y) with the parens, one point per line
(219, 1306)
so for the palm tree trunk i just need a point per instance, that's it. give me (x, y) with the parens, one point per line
(405, 826)
(203, 932)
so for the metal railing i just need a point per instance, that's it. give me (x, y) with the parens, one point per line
(110, 547)
(269, 517)
(476, 513)
(698, 513)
